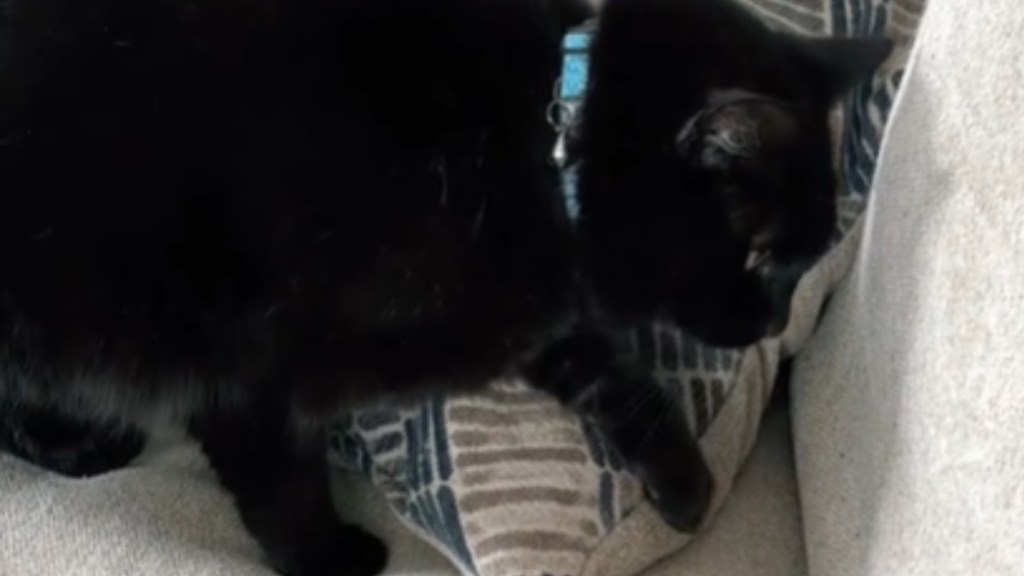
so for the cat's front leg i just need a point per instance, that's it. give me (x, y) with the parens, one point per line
(636, 415)
(282, 491)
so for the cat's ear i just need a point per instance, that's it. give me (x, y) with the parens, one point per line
(842, 63)
(571, 13)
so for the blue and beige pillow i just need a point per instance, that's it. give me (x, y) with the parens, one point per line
(508, 483)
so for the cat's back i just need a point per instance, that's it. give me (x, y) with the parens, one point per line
(156, 121)
(174, 171)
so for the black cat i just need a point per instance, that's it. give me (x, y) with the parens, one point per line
(246, 215)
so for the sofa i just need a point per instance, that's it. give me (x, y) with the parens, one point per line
(898, 451)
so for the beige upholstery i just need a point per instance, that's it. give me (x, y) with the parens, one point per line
(165, 516)
(909, 404)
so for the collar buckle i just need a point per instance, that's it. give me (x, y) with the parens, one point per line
(570, 89)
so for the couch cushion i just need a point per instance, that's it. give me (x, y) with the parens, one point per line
(165, 515)
(761, 518)
(908, 406)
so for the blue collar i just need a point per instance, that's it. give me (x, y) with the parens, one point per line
(572, 86)
(564, 110)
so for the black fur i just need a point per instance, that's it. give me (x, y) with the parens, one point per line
(669, 227)
(248, 214)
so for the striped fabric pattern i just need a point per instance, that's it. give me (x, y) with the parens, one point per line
(507, 483)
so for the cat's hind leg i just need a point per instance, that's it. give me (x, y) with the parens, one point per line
(282, 491)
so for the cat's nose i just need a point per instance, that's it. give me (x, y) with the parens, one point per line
(780, 283)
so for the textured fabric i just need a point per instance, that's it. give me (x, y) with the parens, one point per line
(765, 494)
(508, 483)
(164, 516)
(908, 407)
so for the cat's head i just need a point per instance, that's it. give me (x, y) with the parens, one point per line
(707, 185)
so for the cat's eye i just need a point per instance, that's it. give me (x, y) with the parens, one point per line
(690, 137)
(715, 138)
(735, 127)
(756, 258)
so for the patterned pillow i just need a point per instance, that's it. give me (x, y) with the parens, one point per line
(508, 483)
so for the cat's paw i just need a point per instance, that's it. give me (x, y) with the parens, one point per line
(680, 490)
(367, 554)
(345, 550)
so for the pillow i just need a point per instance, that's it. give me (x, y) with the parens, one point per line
(509, 483)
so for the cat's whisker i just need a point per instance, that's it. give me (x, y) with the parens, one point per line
(440, 168)
(756, 258)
